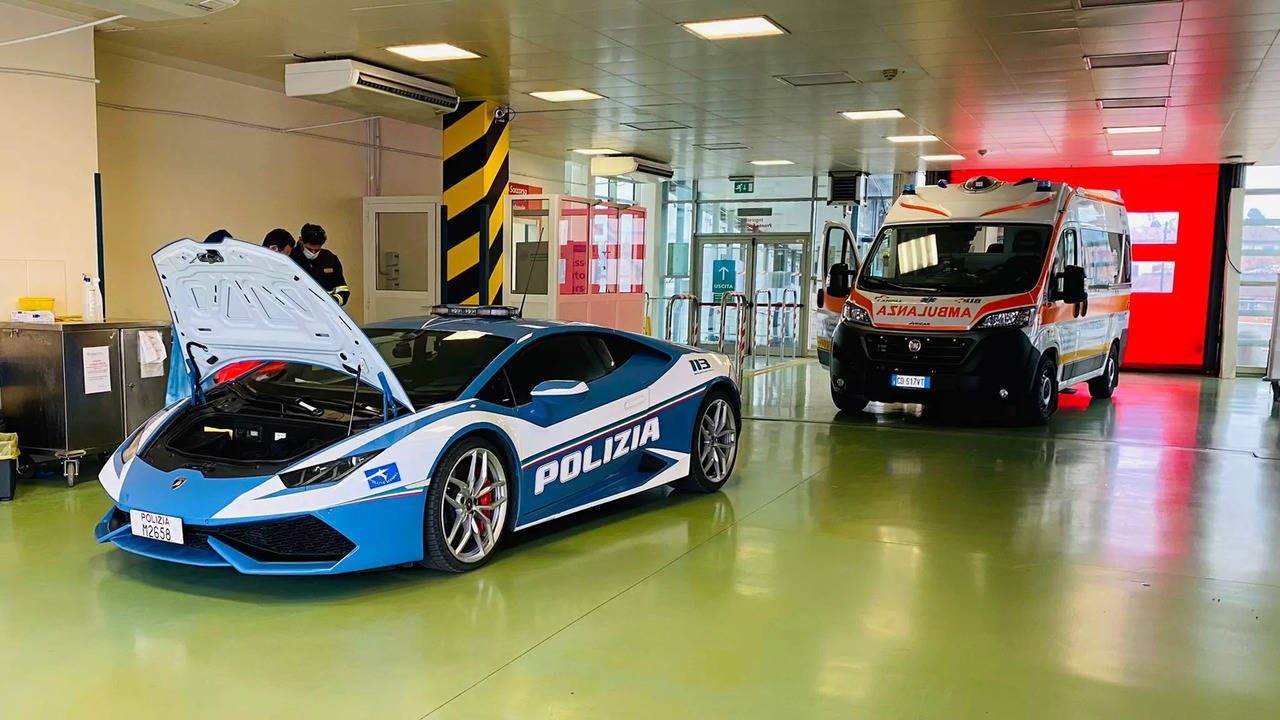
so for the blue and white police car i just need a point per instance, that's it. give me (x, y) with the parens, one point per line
(324, 448)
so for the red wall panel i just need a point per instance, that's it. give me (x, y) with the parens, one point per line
(1166, 330)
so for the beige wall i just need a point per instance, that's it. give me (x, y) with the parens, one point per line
(167, 176)
(48, 154)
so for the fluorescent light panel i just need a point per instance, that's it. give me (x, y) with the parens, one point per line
(433, 52)
(1134, 130)
(940, 158)
(571, 95)
(766, 163)
(597, 151)
(1123, 60)
(1138, 151)
(889, 114)
(722, 146)
(744, 27)
(912, 138)
(1132, 102)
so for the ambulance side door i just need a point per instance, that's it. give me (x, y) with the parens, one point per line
(839, 262)
(1064, 327)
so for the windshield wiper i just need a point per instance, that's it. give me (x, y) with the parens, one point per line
(904, 288)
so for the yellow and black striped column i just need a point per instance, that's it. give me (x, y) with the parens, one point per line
(476, 150)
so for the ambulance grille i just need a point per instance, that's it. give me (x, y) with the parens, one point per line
(935, 349)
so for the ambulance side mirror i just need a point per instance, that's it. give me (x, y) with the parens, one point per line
(840, 280)
(1072, 285)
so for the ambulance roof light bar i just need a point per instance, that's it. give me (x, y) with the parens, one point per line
(475, 311)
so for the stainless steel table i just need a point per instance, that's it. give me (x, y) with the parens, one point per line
(75, 389)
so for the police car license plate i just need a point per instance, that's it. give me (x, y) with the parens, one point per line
(911, 381)
(157, 527)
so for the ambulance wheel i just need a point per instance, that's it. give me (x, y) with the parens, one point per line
(1105, 384)
(1041, 400)
(466, 509)
(714, 445)
(847, 401)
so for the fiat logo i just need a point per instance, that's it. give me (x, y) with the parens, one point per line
(913, 345)
(177, 483)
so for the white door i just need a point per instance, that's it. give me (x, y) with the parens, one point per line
(531, 259)
(401, 257)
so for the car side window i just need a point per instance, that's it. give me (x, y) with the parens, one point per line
(497, 390)
(1066, 254)
(563, 356)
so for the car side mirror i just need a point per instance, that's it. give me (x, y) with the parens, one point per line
(840, 280)
(558, 393)
(822, 299)
(1072, 289)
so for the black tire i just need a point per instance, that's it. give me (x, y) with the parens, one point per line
(847, 401)
(1040, 401)
(704, 480)
(437, 553)
(1105, 384)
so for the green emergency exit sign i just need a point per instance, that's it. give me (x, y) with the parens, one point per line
(741, 187)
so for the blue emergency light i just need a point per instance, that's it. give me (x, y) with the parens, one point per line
(1044, 186)
(908, 189)
(483, 311)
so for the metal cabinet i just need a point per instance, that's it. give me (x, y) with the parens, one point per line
(43, 391)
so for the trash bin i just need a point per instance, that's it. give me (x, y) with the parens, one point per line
(8, 464)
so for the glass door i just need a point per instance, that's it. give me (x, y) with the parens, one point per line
(401, 247)
(780, 277)
(768, 270)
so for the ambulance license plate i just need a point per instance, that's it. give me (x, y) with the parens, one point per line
(157, 527)
(919, 382)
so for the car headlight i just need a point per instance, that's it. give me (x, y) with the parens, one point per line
(1016, 318)
(855, 314)
(324, 473)
(130, 450)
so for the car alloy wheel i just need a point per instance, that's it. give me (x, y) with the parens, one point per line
(717, 440)
(474, 510)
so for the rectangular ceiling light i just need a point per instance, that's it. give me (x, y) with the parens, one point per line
(940, 158)
(744, 27)
(722, 146)
(1134, 130)
(890, 114)
(1086, 4)
(1132, 102)
(812, 79)
(912, 138)
(767, 163)
(656, 125)
(1124, 60)
(597, 151)
(572, 95)
(1139, 151)
(433, 52)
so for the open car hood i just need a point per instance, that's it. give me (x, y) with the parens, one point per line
(232, 302)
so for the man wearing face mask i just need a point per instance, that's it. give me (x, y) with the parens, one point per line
(322, 265)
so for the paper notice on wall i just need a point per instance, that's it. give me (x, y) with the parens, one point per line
(151, 354)
(97, 370)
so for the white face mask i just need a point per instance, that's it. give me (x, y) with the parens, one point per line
(310, 254)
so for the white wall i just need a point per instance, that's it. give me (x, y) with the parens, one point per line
(48, 154)
(545, 172)
(184, 153)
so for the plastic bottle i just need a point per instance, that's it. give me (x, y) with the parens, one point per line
(92, 300)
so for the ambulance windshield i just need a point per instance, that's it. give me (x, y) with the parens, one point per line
(956, 259)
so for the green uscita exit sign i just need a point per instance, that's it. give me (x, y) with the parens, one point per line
(743, 186)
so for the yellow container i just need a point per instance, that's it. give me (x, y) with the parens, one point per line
(35, 303)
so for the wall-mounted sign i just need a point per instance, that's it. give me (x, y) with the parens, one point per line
(742, 187)
(755, 212)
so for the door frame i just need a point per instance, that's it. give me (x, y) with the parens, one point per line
(399, 204)
(753, 241)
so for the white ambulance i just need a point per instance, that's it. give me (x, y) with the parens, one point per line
(986, 293)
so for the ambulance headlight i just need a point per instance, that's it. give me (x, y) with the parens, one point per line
(1016, 318)
(855, 314)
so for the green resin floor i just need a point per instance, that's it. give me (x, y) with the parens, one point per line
(1122, 563)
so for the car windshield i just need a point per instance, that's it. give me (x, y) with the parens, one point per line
(433, 366)
(956, 259)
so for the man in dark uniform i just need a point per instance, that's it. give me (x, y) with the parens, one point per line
(322, 265)
(279, 240)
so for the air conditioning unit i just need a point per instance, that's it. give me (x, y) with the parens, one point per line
(157, 10)
(630, 167)
(846, 187)
(369, 89)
